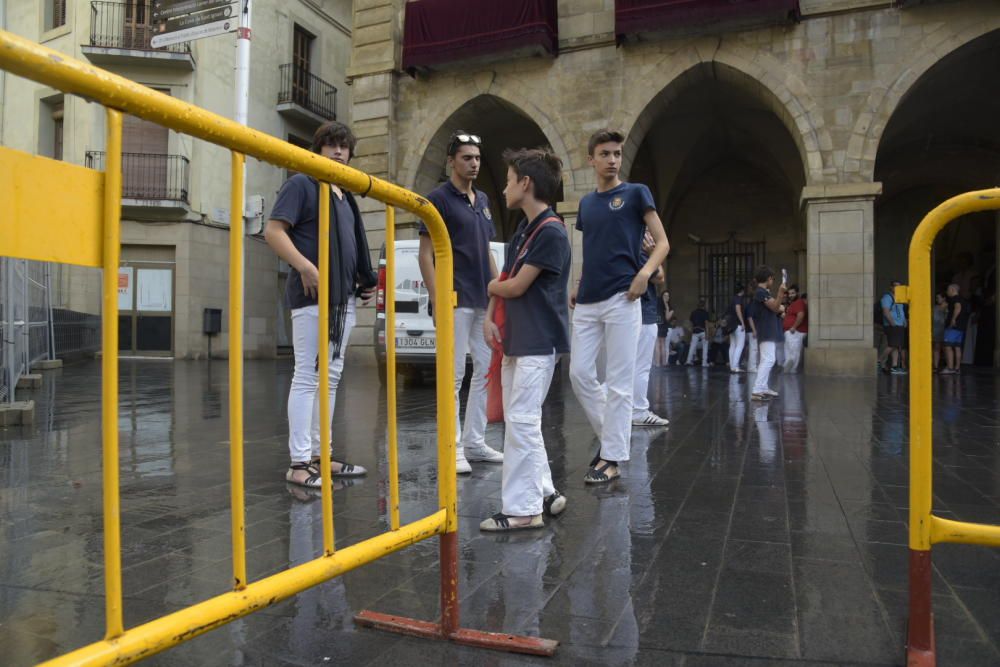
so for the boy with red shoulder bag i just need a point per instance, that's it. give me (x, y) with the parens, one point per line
(534, 330)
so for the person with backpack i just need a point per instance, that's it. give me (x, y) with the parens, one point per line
(894, 323)
(536, 330)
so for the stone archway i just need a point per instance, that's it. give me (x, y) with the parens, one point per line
(942, 139)
(501, 124)
(760, 79)
(726, 175)
(887, 95)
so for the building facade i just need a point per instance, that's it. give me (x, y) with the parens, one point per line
(807, 134)
(175, 213)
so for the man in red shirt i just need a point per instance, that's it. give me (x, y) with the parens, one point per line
(796, 325)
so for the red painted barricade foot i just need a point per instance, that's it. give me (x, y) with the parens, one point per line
(426, 630)
(920, 626)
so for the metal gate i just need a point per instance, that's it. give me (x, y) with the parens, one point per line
(723, 265)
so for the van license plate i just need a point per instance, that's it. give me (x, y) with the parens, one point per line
(412, 341)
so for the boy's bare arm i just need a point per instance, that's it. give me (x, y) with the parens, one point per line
(657, 255)
(516, 286)
(425, 258)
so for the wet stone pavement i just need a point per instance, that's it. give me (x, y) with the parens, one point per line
(742, 535)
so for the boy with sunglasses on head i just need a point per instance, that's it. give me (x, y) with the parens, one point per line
(614, 220)
(536, 329)
(466, 213)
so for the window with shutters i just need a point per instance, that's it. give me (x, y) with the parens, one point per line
(302, 41)
(50, 127)
(55, 14)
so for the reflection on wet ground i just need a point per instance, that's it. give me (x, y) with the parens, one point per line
(744, 534)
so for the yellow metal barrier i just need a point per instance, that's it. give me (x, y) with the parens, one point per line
(925, 528)
(83, 227)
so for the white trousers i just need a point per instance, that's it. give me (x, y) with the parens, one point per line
(752, 354)
(793, 350)
(527, 478)
(737, 340)
(765, 365)
(303, 397)
(469, 339)
(696, 340)
(643, 364)
(614, 323)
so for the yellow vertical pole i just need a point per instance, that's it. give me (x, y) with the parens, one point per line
(390, 363)
(323, 349)
(236, 497)
(109, 376)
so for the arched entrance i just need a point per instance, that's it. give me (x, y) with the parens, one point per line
(501, 125)
(726, 175)
(942, 140)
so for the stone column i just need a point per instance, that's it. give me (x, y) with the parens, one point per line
(372, 75)
(840, 279)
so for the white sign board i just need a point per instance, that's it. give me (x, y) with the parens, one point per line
(217, 21)
(126, 285)
(155, 290)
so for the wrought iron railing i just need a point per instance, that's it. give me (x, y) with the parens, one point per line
(150, 175)
(126, 25)
(308, 91)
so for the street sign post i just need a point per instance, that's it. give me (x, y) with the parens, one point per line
(178, 21)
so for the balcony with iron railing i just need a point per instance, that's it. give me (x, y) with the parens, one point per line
(305, 97)
(120, 33)
(151, 181)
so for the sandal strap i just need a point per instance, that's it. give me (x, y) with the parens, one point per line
(548, 500)
(501, 520)
(314, 474)
(598, 472)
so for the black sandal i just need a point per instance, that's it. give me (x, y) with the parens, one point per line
(598, 474)
(346, 469)
(313, 481)
(500, 523)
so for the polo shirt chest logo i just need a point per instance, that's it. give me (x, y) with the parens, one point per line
(616, 203)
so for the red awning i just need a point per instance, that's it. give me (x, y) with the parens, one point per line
(636, 16)
(441, 31)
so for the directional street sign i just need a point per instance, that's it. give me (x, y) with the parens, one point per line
(201, 18)
(168, 9)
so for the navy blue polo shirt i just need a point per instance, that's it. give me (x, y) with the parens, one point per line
(538, 320)
(650, 314)
(297, 204)
(613, 226)
(767, 321)
(699, 318)
(470, 227)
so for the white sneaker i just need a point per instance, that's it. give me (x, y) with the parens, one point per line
(483, 453)
(461, 465)
(770, 392)
(649, 419)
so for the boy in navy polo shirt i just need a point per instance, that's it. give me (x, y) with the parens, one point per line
(293, 232)
(466, 213)
(614, 219)
(766, 311)
(535, 331)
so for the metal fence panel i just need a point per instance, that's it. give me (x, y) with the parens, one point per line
(26, 322)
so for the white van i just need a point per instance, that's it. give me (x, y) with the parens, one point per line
(414, 327)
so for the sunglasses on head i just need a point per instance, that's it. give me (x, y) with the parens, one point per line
(463, 140)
